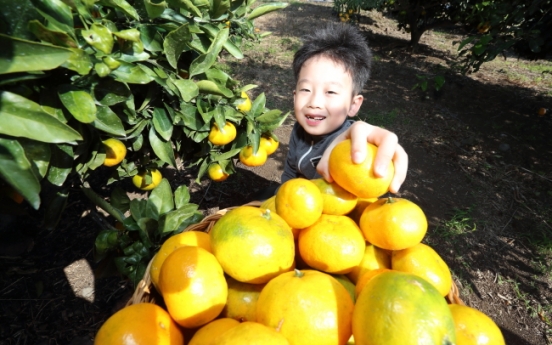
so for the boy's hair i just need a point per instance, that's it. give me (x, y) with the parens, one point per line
(343, 44)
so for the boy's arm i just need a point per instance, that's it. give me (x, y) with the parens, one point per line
(388, 150)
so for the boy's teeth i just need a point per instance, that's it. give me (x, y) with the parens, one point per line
(316, 117)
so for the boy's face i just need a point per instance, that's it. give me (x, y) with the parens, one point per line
(323, 96)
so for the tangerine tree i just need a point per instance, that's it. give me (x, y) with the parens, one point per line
(129, 86)
(75, 73)
(490, 27)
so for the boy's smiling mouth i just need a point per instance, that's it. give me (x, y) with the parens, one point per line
(315, 117)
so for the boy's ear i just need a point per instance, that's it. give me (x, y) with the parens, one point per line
(355, 105)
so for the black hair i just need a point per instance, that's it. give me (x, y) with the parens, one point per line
(343, 43)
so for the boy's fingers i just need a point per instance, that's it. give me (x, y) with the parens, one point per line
(359, 136)
(400, 161)
(387, 151)
(323, 167)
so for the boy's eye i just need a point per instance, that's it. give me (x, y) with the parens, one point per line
(304, 90)
(332, 92)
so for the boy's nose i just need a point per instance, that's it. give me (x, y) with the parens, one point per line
(315, 100)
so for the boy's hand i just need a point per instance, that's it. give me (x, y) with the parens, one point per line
(388, 149)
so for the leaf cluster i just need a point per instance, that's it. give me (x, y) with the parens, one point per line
(74, 73)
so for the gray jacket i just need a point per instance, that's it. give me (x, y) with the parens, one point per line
(306, 150)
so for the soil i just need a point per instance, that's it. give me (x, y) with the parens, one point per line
(479, 157)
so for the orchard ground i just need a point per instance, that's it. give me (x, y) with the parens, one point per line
(480, 168)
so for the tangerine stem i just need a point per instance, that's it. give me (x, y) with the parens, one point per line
(298, 273)
(390, 200)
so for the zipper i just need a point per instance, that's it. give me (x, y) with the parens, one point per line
(303, 156)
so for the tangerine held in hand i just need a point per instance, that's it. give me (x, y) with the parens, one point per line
(358, 179)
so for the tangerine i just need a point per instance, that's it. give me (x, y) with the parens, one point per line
(359, 208)
(210, 333)
(154, 326)
(245, 106)
(423, 261)
(397, 308)
(115, 152)
(224, 135)
(365, 278)
(216, 173)
(358, 179)
(252, 333)
(242, 299)
(393, 223)
(474, 327)
(299, 202)
(372, 259)
(308, 307)
(193, 286)
(333, 244)
(253, 159)
(252, 244)
(269, 144)
(186, 238)
(139, 180)
(336, 200)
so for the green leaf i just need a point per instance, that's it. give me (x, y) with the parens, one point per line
(20, 117)
(175, 43)
(162, 149)
(107, 121)
(160, 200)
(176, 220)
(155, 9)
(56, 38)
(189, 5)
(132, 74)
(210, 87)
(61, 163)
(79, 103)
(110, 92)
(16, 16)
(78, 61)
(19, 55)
(228, 44)
(119, 199)
(258, 105)
(162, 123)
(219, 7)
(129, 35)
(181, 196)
(20, 178)
(57, 13)
(190, 117)
(227, 155)
(38, 153)
(151, 38)
(187, 88)
(266, 8)
(205, 61)
(123, 6)
(138, 208)
(99, 37)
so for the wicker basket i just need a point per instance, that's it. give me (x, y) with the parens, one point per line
(145, 292)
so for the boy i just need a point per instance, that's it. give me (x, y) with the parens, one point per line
(330, 70)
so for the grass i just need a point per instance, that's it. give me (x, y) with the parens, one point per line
(378, 118)
(461, 223)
